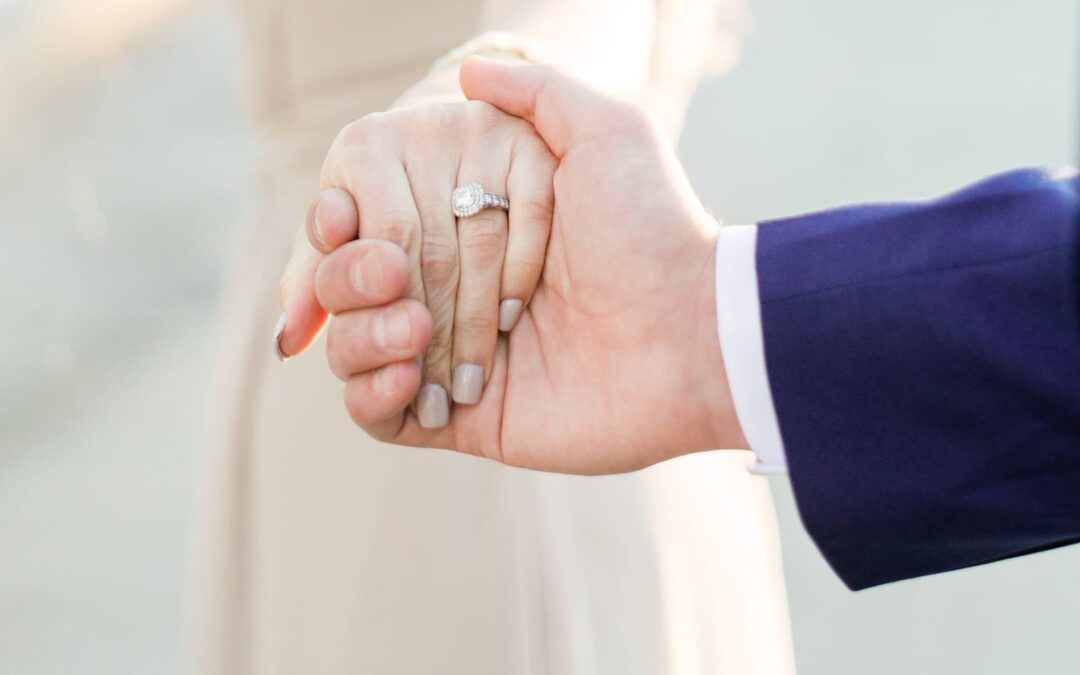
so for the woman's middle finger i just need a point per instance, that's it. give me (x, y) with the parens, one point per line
(481, 248)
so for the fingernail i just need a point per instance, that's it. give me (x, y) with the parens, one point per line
(509, 311)
(468, 383)
(432, 407)
(392, 329)
(315, 224)
(385, 381)
(279, 328)
(367, 275)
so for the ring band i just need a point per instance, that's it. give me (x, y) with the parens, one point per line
(470, 199)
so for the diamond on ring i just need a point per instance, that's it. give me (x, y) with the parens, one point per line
(470, 199)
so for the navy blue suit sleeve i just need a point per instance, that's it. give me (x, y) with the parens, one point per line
(924, 361)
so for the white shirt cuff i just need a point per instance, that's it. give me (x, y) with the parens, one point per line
(738, 315)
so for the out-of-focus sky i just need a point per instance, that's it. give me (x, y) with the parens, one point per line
(125, 178)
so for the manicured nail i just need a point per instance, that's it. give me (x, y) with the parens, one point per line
(279, 328)
(432, 407)
(392, 329)
(367, 275)
(509, 311)
(313, 215)
(468, 383)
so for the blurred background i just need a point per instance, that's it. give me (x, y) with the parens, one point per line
(126, 177)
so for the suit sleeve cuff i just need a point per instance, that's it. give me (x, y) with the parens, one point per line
(738, 315)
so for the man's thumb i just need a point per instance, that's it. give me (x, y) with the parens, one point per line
(563, 109)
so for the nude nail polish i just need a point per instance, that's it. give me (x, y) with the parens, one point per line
(432, 407)
(509, 312)
(279, 328)
(468, 383)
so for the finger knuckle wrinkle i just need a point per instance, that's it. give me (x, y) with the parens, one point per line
(398, 227)
(483, 241)
(534, 211)
(438, 262)
(475, 325)
(438, 351)
(527, 268)
(438, 273)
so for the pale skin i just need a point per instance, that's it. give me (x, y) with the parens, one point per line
(474, 278)
(389, 176)
(615, 364)
(470, 282)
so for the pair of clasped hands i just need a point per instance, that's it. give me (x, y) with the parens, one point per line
(575, 333)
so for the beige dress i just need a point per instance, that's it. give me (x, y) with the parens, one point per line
(322, 551)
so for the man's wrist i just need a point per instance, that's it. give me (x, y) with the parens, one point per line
(726, 429)
(714, 415)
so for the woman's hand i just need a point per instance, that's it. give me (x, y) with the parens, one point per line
(616, 363)
(389, 176)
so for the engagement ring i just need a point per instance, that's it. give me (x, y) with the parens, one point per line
(469, 200)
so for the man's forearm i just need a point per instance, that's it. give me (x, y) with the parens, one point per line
(924, 360)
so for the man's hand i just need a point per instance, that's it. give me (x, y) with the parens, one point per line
(616, 363)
